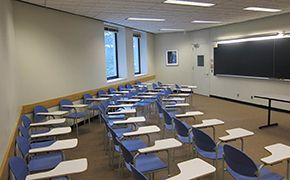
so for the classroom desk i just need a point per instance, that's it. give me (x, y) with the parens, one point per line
(121, 92)
(193, 169)
(75, 106)
(189, 86)
(162, 145)
(145, 130)
(279, 152)
(177, 105)
(183, 90)
(53, 113)
(236, 133)
(174, 99)
(128, 100)
(189, 114)
(53, 132)
(209, 123)
(49, 122)
(148, 93)
(110, 95)
(126, 111)
(270, 98)
(62, 169)
(98, 99)
(145, 97)
(179, 95)
(56, 146)
(120, 106)
(130, 120)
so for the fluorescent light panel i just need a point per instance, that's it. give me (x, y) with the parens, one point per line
(188, 3)
(145, 19)
(279, 36)
(167, 29)
(262, 9)
(205, 22)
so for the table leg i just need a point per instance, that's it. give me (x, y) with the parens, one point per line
(168, 160)
(242, 144)
(269, 117)
(213, 132)
(288, 169)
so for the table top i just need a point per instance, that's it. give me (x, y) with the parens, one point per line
(189, 86)
(53, 113)
(161, 145)
(131, 120)
(145, 97)
(279, 152)
(179, 95)
(148, 93)
(276, 97)
(48, 122)
(236, 133)
(120, 105)
(189, 114)
(177, 105)
(75, 106)
(126, 111)
(174, 99)
(110, 95)
(98, 99)
(193, 169)
(183, 89)
(143, 130)
(208, 123)
(53, 132)
(129, 100)
(57, 146)
(122, 92)
(62, 169)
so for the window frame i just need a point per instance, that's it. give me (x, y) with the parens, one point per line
(139, 53)
(115, 31)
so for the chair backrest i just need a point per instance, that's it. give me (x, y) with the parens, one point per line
(138, 83)
(102, 108)
(100, 92)
(154, 86)
(24, 132)
(26, 121)
(159, 106)
(167, 117)
(114, 135)
(159, 83)
(128, 157)
(129, 86)
(111, 90)
(137, 174)
(38, 109)
(18, 167)
(180, 127)
(239, 162)
(203, 141)
(65, 102)
(23, 146)
(121, 87)
(85, 97)
(144, 89)
(177, 86)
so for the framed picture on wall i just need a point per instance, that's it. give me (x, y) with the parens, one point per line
(171, 58)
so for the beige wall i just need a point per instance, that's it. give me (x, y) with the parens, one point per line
(220, 86)
(8, 103)
(59, 53)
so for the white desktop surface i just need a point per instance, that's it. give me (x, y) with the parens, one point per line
(49, 122)
(208, 123)
(131, 120)
(189, 114)
(98, 99)
(236, 133)
(76, 106)
(53, 132)
(53, 113)
(162, 144)
(126, 111)
(143, 130)
(279, 152)
(120, 105)
(57, 146)
(177, 105)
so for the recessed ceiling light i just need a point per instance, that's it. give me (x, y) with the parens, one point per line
(205, 22)
(167, 29)
(188, 3)
(145, 19)
(262, 9)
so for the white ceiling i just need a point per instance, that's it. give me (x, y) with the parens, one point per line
(177, 16)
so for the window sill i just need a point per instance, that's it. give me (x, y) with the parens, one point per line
(138, 75)
(115, 80)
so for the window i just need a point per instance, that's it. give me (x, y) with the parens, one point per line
(111, 53)
(136, 48)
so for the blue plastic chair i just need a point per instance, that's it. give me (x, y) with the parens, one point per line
(137, 174)
(145, 163)
(129, 86)
(20, 170)
(240, 166)
(38, 163)
(73, 113)
(111, 90)
(168, 122)
(100, 93)
(92, 107)
(206, 147)
(38, 109)
(121, 88)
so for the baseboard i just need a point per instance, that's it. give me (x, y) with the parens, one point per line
(250, 104)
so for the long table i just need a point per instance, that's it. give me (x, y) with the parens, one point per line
(270, 98)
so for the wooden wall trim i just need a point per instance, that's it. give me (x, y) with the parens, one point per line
(10, 151)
